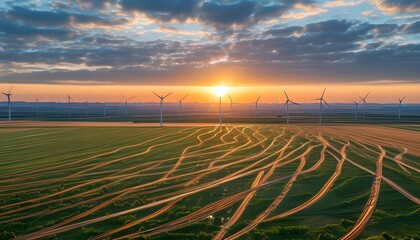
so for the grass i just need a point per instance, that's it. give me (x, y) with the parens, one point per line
(52, 177)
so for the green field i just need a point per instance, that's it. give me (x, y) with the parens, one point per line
(237, 182)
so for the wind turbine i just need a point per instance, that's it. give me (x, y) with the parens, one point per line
(180, 103)
(364, 103)
(220, 91)
(126, 103)
(195, 105)
(208, 107)
(105, 107)
(86, 106)
(141, 108)
(161, 105)
(9, 105)
(37, 106)
(182, 99)
(355, 111)
(69, 98)
(286, 105)
(58, 107)
(399, 107)
(256, 105)
(321, 100)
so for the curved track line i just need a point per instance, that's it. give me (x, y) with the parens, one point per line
(52, 231)
(272, 206)
(367, 213)
(240, 209)
(319, 194)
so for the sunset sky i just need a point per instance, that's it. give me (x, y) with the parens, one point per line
(106, 48)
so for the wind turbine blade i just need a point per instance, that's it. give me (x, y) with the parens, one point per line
(258, 99)
(156, 95)
(168, 94)
(131, 98)
(403, 98)
(317, 98)
(323, 93)
(283, 107)
(184, 97)
(10, 89)
(367, 95)
(287, 97)
(294, 102)
(231, 102)
(121, 98)
(326, 103)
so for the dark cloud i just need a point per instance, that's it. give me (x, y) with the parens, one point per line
(283, 32)
(61, 18)
(221, 15)
(323, 51)
(12, 28)
(95, 4)
(163, 10)
(218, 14)
(37, 43)
(411, 28)
(329, 26)
(398, 6)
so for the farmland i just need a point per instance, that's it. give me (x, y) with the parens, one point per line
(205, 182)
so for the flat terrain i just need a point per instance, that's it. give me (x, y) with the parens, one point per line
(61, 180)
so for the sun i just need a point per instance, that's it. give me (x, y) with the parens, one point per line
(220, 90)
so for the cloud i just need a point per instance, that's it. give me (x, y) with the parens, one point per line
(59, 43)
(333, 50)
(163, 10)
(411, 28)
(342, 3)
(177, 31)
(397, 6)
(62, 18)
(12, 28)
(221, 15)
(370, 13)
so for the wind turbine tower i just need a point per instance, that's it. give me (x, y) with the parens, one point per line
(399, 107)
(355, 110)
(286, 105)
(161, 97)
(364, 103)
(70, 99)
(37, 106)
(9, 105)
(321, 101)
(180, 104)
(126, 104)
(140, 107)
(57, 108)
(87, 107)
(105, 107)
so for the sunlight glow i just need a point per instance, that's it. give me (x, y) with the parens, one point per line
(220, 90)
